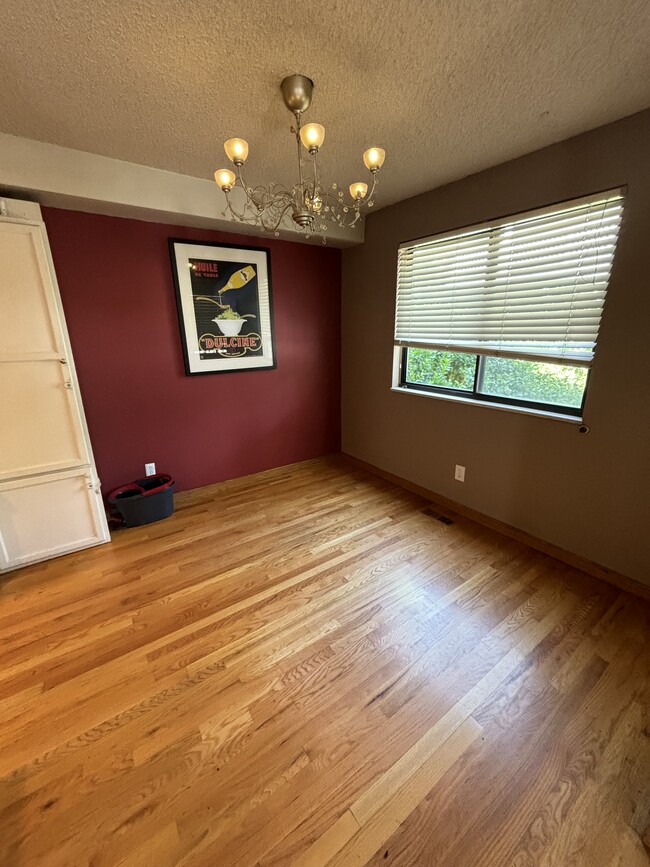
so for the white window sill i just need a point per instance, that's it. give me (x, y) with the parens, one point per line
(574, 419)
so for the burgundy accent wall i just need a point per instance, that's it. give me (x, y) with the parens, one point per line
(116, 284)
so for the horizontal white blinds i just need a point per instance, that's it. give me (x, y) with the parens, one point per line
(531, 285)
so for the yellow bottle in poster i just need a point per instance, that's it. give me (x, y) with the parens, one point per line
(239, 279)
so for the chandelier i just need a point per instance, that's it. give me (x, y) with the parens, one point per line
(307, 205)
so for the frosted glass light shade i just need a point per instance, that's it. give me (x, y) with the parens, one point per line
(225, 179)
(358, 190)
(374, 158)
(236, 149)
(312, 135)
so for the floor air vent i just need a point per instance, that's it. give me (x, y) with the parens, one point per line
(444, 519)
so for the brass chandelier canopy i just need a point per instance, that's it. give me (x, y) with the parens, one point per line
(307, 205)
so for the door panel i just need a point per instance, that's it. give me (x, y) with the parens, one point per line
(48, 515)
(26, 298)
(44, 433)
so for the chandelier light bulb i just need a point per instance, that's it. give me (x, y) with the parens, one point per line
(358, 190)
(312, 135)
(225, 179)
(236, 150)
(374, 158)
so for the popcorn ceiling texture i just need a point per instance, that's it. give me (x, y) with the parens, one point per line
(448, 88)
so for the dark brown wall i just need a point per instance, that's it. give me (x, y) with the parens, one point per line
(586, 493)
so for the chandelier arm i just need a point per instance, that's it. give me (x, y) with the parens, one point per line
(250, 213)
(254, 216)
(372, 189)
(266, 193)
(275, 196)
(240, 217)
(337, 211)
(335, 203)
(244, 186)
(341, 219)
(271, 215)
(276, 225)
(266, 198)
(240, 175)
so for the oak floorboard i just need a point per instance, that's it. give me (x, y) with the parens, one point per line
(306, 666)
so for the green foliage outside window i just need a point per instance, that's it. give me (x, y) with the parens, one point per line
(443, 369)
(539, 381)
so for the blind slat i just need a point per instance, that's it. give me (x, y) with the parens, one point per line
(524, 226)
(488, 243)
(548, 259)
(534, 284)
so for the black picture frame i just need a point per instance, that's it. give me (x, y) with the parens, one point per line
(204, 272)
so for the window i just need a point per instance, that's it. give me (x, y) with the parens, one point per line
(508, 312)
(521, 382)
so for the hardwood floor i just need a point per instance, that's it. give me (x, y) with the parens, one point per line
(309, 667)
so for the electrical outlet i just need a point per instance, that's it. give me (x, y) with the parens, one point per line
(459, 475)
(150, 469)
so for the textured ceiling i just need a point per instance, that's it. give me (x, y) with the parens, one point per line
(448, 88)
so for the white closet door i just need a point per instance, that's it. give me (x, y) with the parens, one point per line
(43, 429)
(49, 515)
(49, 494)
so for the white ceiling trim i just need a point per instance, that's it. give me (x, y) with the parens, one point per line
(72, 179)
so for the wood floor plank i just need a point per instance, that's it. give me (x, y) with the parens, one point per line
(333, 676)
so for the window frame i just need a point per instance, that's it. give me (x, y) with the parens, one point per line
(475, 395)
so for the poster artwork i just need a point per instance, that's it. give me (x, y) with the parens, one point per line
(225, 296)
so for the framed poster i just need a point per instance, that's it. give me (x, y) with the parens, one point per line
(223, 293)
